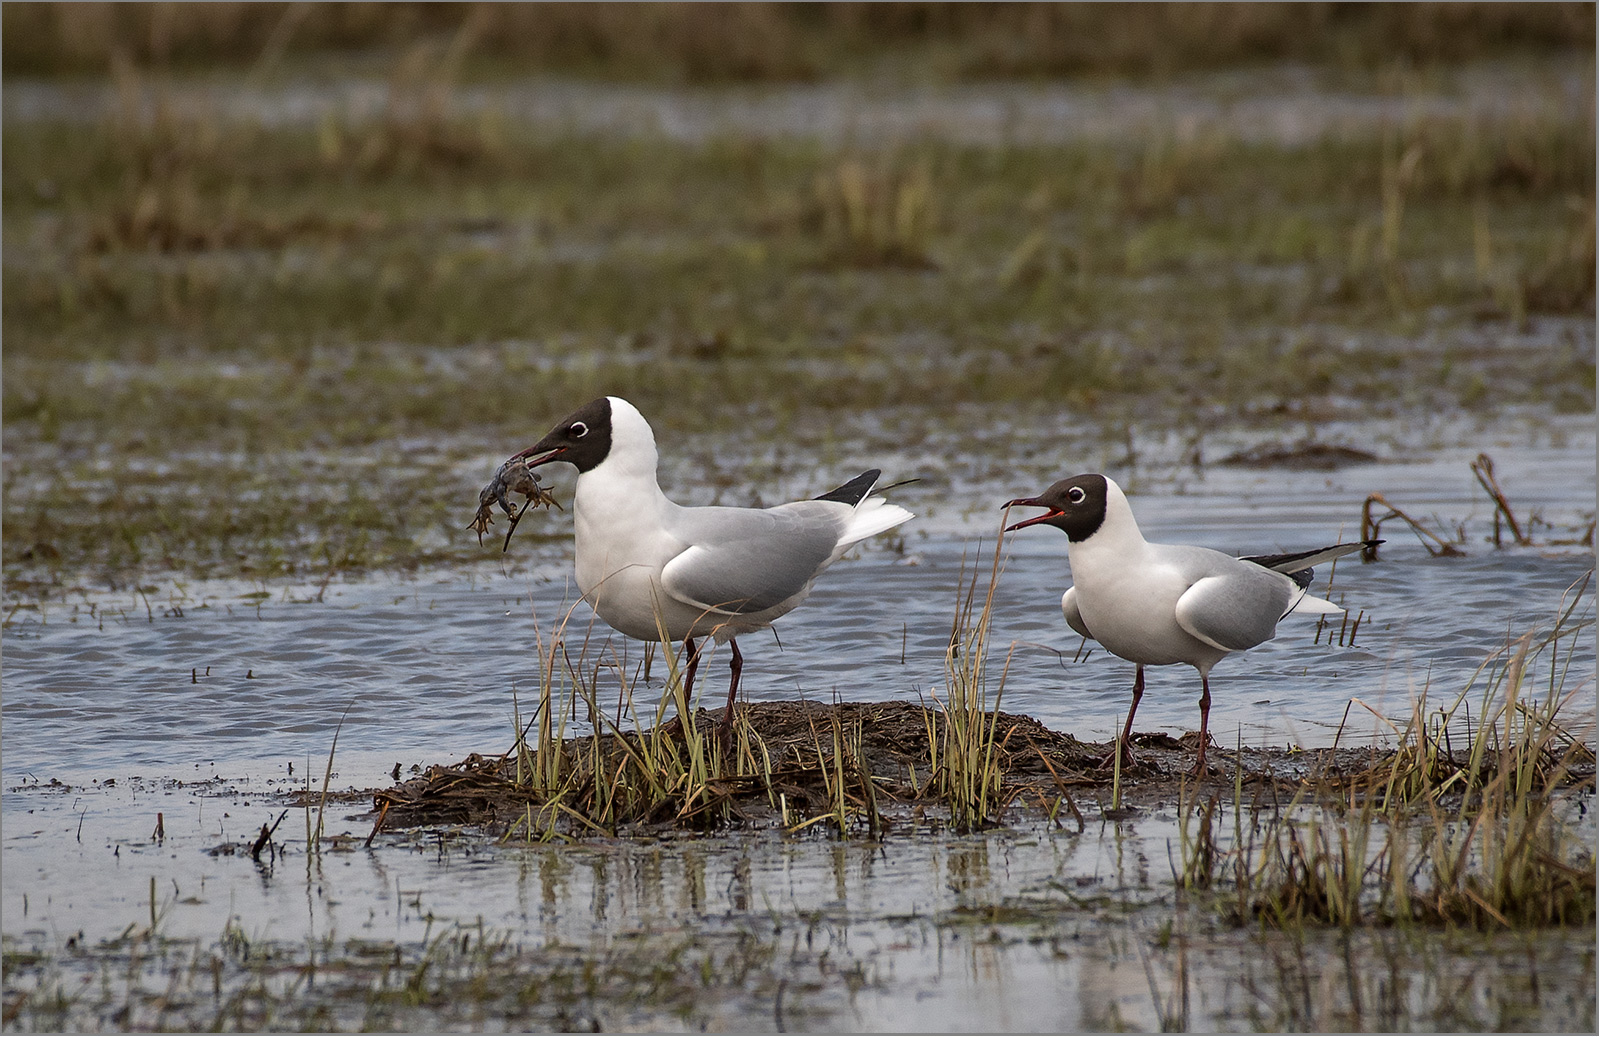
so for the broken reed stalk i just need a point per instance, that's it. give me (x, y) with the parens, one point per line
(265, 837)
(1116, 773)
(1483, 468)
(836, 783)
(1371, 525)
(327, 776)
(1061, 788)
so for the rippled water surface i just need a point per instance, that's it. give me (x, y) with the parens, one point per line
(426, 670)
(202, 703)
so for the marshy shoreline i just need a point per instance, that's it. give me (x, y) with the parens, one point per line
(1151, 914)
(284, 283)
(840, 864)
(1041, 774)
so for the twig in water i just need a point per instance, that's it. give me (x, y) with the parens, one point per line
(1483, 468)
(1370, 527)
(327, 776)
(265, 837)
(377, 826)
(327, 578)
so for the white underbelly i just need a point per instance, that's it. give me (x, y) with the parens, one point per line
(1138, 621)
(627, 595)
(1149, 644)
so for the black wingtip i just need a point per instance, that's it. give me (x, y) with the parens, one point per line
(852, 492)
(1297, 565)
(1302, 578)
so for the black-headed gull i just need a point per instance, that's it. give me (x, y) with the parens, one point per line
(648, 566)
(1157, 604)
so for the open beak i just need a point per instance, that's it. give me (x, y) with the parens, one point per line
(546, 458)
(1031, 502)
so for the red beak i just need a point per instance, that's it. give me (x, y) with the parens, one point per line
(1031, 503)
(546, 459)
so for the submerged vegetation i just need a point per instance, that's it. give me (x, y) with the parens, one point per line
(762, 969)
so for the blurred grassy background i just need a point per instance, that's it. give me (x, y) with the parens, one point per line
(240, 342)
(713, 43)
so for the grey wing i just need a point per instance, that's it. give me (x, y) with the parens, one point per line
(742, 560)
(1235, 611)
(1069, 608)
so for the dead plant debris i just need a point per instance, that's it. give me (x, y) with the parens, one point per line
(1039, 768)
(1306, 455)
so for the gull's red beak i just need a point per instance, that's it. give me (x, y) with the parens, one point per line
(546, 458)
(1031, 502)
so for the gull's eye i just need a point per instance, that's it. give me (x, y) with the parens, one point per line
(577, 430)
(1075, 495)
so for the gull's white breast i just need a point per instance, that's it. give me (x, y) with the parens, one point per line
(1156, 604)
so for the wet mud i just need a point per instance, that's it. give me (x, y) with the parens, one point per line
(891, 747)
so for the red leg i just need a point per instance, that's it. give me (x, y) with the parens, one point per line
(1205, 715)
(688, 673)
(1127, 728)
(735, 666)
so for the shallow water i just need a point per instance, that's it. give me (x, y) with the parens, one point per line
(203, 703)
(1025, 928)
(1282, 105)
(196, 706)
(426, 670)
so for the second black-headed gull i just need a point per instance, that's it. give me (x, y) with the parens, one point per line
(1157, 604)
(650, 567)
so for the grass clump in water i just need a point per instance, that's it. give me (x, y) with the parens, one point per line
(657, 762)
(648, 768)
(962, 740)
(1481, 834)
(679, 773)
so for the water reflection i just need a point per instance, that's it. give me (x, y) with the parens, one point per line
(1024, 928)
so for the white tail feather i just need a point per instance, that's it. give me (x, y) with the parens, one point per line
(873, 515)
(1313, 606)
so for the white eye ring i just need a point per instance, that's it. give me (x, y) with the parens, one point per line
(577, 430)
(1075, 495)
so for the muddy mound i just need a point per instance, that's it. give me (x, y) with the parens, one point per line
(794, 763)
